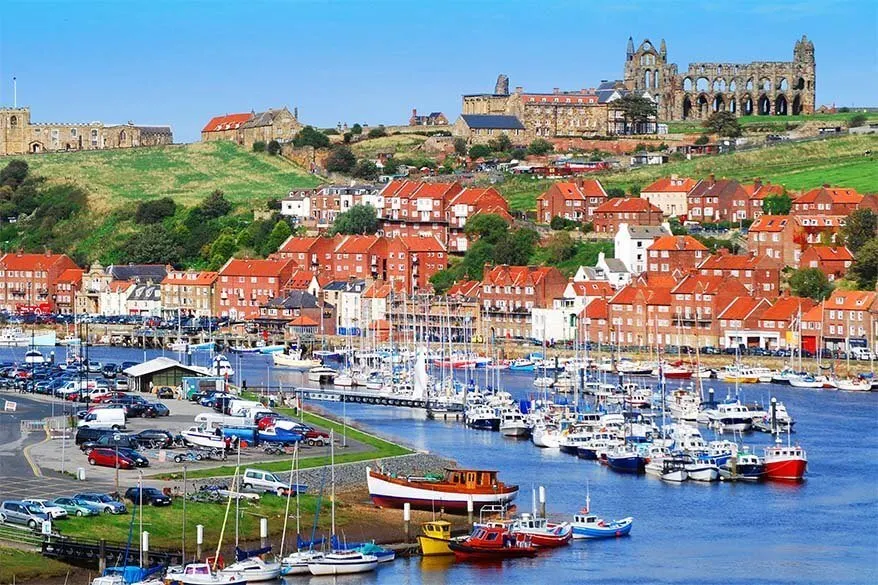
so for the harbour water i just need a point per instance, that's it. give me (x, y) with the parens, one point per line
(824, 530)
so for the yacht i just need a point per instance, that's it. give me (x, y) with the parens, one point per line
(546, 436)
(512, 424)
(321, 374)
(732, 416)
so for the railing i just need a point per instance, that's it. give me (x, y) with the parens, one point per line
(18, 535)
(33, 426)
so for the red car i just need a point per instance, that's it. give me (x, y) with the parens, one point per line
(108, 458)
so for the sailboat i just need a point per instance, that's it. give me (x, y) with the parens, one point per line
(340, 562)
(296, 563)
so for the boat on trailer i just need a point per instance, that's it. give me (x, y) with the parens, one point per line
(452, 491)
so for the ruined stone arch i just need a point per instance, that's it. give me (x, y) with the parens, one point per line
(719, 84)
(733, 106)
(687, 84)
(702, 84)
(780, 105)
(36, 147)
(800, 83)
(749, 85)
(733, 86)
(687, 107)
(763, 105)
(703, 105)
(746, 105)
(765, 84)
(719, 103)
(797, 105)
(784, 84)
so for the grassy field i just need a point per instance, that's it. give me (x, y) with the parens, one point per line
(398, 143)
(380, 449)
(800, 166)
(18, 566)
(767, 123)
(187, 173)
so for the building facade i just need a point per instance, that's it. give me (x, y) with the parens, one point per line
(575, 200)
(189, 292)
(609, 216)
(29, 282)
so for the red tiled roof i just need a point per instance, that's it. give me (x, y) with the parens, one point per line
(71, 275)
(295, 244)
(831, 253)
(119, 285)
(356, 244)
(786, 308)
(465, 288)
(626, 204)
(824, 221)
(815, 314)
(740, 308)
(227, 122)
(839, 195)
(14, 261)
(300, 279)
(722, 261)
(470, 195)
(405, 189)
(770, 223)
(597, 309)
(633, 293)
(381, 289)
(190, 278)
(251, 267)
(303, 321)
(517, 275)
(762, 190)
(680, 243)
(851, 300)
(579, 190)
(671, 185)
(699, 283)
(421, 243)
(592, 288)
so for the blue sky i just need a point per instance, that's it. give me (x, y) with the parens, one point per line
(358, 61)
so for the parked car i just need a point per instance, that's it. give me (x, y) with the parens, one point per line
(165, 392)
(138, 459)
(105, 418)
(110, 458)
(156, 409)
(76, 507)
(107, 504)
(153, 438)
(109, 441)
(87, 435)
(54, 512)
(150, 495)
(263, 481)
(18, 512)
(110, 370)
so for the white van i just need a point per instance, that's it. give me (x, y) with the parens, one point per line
(237, 406)
(263, 481)
(104, 418)
(861, 353)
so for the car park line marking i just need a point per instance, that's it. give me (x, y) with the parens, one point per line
(26, 452)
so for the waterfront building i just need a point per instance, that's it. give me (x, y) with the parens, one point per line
(29, 282)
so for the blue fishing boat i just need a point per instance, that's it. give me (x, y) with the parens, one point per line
(522, 365)
(626, 460)
(590, 526)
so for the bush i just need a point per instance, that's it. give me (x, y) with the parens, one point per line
(341, 160)
(614, 192)
(562, 223)
(356, 129)
(479, 151)
(331, 132)
(377, 132)
(347, 137)
(857, 120)
(460, 146)
(518, 153)
(702, 140)
(308, 136)
(273, 147)
(540, 146)
(500, 144)
(154, 211)
(365, 169)
(259, 146)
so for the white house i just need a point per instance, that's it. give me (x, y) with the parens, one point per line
(114, 298)
(631, 242)
(557, 323)
(349, 306)
(297, 204)
(144, 299)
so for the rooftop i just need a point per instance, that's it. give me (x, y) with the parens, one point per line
(492, 121)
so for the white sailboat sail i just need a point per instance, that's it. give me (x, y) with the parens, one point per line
(420, 377)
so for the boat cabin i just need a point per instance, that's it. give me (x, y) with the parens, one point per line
(437, 529)
(586, 519)
(528, 522)
(471, 478)
(197, 569)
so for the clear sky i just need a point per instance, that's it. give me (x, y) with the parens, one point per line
(373, 61)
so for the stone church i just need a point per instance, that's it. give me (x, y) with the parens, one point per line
(18, 135)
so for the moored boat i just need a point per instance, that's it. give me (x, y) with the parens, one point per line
(254, 570)
(540, 532)
(345, 562)
(743, 467)
(200, 574)
(492, 543)
(451, 492)
(785, 463)
(435, 537)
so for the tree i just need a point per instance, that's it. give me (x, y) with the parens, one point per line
(443, 280)
(365, 169)
(703, 139)
(279, 234)
(477, 151)
(155, 245)
(273, 147)
(860, 227)
(155, 211)
(216, 205)
(540, 146)
(562, 223)
(560, 247)
(460, 146)
(14, 173)
(341, 160)
(516, 248)
(356, 129)
(723, 124)
(857, 120)
(359, 220)
(811, 283)
(486, 227)
(377, 132)
(635, 110)
(500, 144)
(308, 136)
(864, 270)
(391, 166)
(614, 192)
(518, 153)
(477, 255)
(221, 250)
(347, 137)
(259, 146)
(777, 204)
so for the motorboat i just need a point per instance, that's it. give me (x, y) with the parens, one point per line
(702, 469)
(253, 569)
(785, 463)
(571, 441)
(435, 537)
(670, 469)
(512, 424)
(202, 437)
(743, 467)
(453, 491)
(541, 532)
(201, 574)
(293, 360)
(343, 562)
(730, 416)
(221, 367)
(599, 444)
(521, 365)
(673, 372)
(854, 385)
(592, 527)
(544, 382)
(546, 436)
(34, 357)
(492, 543)
(482, 416)
(321, 374)
(737, 374)
(296, 563)
(626, 459)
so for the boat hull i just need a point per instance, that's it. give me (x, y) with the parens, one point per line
(785, 469)
(560, 537)
(612, 530)
(626, 464)
(484, 424)
(432, 546)
(325, 567)
(463, 552)
(387, 494)
(514, 431)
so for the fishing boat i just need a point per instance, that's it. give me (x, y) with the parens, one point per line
(521, 365)
(589, 526)
(482, 416)
(451, 492)
(435, 537)
(540, 532)
(201, 437)
(343, 562)
(293, 360)
(200, 574)
(321, 374)
(670, 469)
(702, 469)
(626, 459)
(512, 424)
(785, 463)
(252, 568)
(492, 543)
(743, 467)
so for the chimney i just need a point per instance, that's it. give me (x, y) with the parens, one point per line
(711, 179)
(556, 90)
(519, 89)
(757, 183)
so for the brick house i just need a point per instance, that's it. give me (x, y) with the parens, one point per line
(675, 254)
(224, 127)
(833, 261)
(696, 301)
(760, 274)
(431, 119)
(575, 200)
(714, 200)
(594, 322)
(481, 128)
(849, 319)
(817, 229)
(244, 285)
(69, 284)
(413, 260)
(510, 292)
(300, 309)
(630, 210)
(773, 236)
(414, 208)
(190, 292)
(739, 324)
(757, 191)
(827, 200)
(781, 320)
(641, 311)
(670, 194)
(313, 254)
(468, 203)
(29, 282)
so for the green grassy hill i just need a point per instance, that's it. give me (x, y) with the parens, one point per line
(837, 161)
(187, 173)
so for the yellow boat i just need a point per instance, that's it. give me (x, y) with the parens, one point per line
(434, 538)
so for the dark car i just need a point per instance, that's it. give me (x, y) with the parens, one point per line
(165, 392)
(138, 459)
(155, 409)
(152, 438)
(132, 409)
(109, 440)
(149, 495)
(110, 370)
(709, 350)
(86, 435)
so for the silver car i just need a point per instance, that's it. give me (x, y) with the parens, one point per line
(54, 512)
(18, 512)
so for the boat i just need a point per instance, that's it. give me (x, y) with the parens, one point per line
(222, 367)
(129, 575)
(282, 431)
(731, 416)
(671, 469)
(15, 337)
(626, 459)
(296, 563)
(737, 374)
(512, 424)
(743, 467)
(492, 543)
(201, 437)
(854, 385)
(521, 365)
(34, 357)
(253, 569)
(482, 416)
(200, 574)
(702, 469)
(452, 491)
(293, 360)
(785, 463)
(546, 436)
(540, 532)
(384, 555)
(674, 372)
(343, 562)
(544, 382)
(589, 526)
(321, 374)
(435, 537)
(806, 381)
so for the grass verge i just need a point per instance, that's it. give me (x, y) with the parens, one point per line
(19, 565)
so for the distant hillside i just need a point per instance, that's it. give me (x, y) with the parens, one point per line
(838, 161)
(186, 173)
